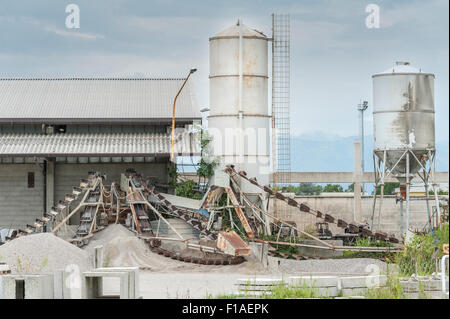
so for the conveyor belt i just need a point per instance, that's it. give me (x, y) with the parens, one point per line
(48, 220)
(351, 227)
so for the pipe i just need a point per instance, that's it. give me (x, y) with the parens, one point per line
(402, 222)
(44, 173)
(408, 184)
(444, 289)
(427, 199)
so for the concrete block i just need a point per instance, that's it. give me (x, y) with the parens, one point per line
(326, 291)
(428, 295)
(8, 287)
(321, 292)
(260, 251)
(98, 256)
(58, 284)
(314, 281)
(362, 281)
(28, 286)
(133, 278)
(426, 285)
(433, 284)
(350, 292)
(1, 287)
(259, 281)
(92, 282)
(410, 286)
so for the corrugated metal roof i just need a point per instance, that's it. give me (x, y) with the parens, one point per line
(130, 144)
(95, 99)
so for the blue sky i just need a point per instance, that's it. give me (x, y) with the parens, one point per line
(333, 53)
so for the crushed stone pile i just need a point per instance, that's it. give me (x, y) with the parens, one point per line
(43, 252)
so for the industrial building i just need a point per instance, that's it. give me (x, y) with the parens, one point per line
(54, 131)
(97, 154)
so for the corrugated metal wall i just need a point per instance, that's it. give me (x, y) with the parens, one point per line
(19, 204)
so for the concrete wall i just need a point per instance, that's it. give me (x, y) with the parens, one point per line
(19, 204)
(342, 207)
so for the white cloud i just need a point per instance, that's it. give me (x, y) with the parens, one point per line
(73, 33)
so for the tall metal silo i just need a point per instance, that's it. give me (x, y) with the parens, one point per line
(239, 120)
(404, 130)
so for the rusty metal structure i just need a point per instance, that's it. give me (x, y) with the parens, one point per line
(100, 205)
(135, 203)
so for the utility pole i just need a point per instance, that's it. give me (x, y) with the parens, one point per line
(361, 108)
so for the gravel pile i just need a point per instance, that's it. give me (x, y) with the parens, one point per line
(42, 252)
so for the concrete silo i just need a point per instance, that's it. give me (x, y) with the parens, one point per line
(239, 120)
(404, 131)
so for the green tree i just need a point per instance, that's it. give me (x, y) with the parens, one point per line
(205, 167)
(351, 188)
(389, 188)
(333, 188)
(188, 189)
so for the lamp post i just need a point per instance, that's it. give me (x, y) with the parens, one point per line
(362, 107)
(173, 113)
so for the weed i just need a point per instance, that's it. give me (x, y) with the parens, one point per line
(392, 290)
(421, 255)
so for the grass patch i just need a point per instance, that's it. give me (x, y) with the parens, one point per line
(392, 290)
(280, 291)
(368, 242)
(421, 255)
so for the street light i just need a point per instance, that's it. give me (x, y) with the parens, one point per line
(362, 107)
(173, 113)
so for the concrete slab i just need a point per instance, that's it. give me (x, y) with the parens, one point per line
(314, 281)
(427, 295)
(350, 292)
(260, 281)
(362, 281)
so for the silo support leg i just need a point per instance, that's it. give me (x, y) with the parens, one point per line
(373, 206)
(438, 209)
(427, 199)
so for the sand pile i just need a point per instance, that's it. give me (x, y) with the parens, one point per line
(42, 252)
(123, 249)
